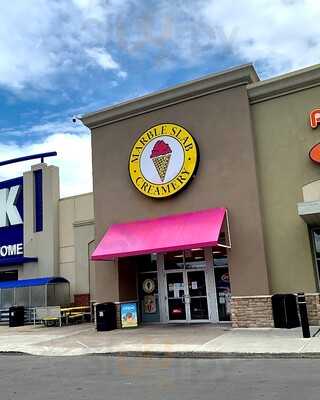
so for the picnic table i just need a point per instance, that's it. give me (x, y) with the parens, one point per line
(69, 314)
(54, 315)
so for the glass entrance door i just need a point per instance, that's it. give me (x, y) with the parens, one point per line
(176, 296)
(187, 296)
(197, 295)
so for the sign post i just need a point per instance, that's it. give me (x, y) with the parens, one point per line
(302, 304)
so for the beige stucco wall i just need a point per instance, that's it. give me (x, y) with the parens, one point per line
(76, 232)
(283, 138)
(311, 191)
(221, 125)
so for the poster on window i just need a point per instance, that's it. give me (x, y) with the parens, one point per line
(149, 304)
(148, 285)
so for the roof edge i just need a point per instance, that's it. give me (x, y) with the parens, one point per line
(75, 196)
(242, 75)
(284, 84)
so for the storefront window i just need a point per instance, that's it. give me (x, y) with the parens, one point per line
(316, 249)
(186, 290)
(188, 259)
(147, 263)
(8, 276)
(316, 238)
(220, 258)
(194, 258)
(222, 279)
(148, 289)
(174, 260)
(7, 297)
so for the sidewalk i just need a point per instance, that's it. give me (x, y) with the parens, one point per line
(189, 341)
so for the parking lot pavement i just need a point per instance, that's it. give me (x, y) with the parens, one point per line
(100, 378)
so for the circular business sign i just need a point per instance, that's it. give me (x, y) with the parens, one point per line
(148, 285)
(163, 160)
(314, 153)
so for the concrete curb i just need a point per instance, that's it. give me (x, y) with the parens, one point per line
(179, 355)
(209, 355)
(14, 353)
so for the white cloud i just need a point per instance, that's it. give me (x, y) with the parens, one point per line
(43, 129)
(102, 58)
(74, 160)
(91, 9)
(40, 38)
(281, 34)
(122, 74)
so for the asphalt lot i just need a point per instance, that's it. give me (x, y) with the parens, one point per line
(100, 377)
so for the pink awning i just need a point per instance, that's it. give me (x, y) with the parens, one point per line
(170, 233)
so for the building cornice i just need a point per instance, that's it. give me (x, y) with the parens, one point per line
(76, 196)
(77, 224)
(234, 77)
(284, 84)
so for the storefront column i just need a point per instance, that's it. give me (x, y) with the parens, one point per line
(162, 290)
(211, 286)
(41, 241)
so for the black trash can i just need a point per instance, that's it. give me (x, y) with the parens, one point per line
(285, 311)
(16, 316)
(106, 317)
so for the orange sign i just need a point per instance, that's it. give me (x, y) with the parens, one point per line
(315, 118)
(314, 153)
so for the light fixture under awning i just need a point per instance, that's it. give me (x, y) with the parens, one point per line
(205, 228)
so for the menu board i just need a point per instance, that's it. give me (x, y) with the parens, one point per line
(129, 315)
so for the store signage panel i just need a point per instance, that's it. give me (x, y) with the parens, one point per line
(314, 153)
(163, 160)
(11, 219)
(315, 118)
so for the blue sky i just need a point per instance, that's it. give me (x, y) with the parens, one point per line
(61, 58)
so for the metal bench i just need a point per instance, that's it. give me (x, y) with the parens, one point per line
(49, 315)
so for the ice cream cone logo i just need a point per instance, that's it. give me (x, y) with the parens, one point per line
(160, 155)
(163, 160)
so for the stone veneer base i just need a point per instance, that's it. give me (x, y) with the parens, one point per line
(313, 306)
(251, 312)
(256, 311)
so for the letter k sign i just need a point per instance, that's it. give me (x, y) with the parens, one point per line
(9, 214)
